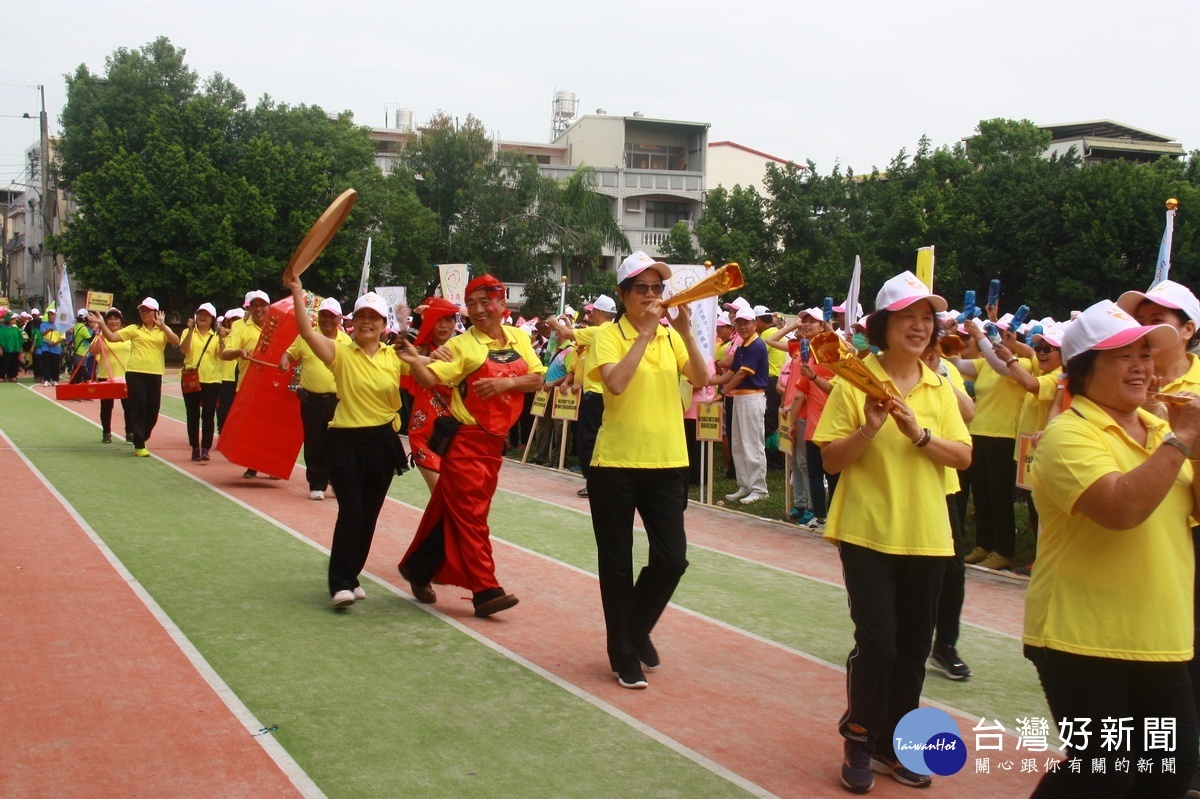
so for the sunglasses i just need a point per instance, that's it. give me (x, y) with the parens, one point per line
(1045, 349)
(649, 288)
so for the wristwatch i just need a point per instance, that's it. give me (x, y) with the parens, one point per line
(1172, 440)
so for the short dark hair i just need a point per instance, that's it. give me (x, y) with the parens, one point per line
(1078, 369)
(877, 325)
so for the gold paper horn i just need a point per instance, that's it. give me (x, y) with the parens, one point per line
(1172, 399)
(832, 352)
(727, 278)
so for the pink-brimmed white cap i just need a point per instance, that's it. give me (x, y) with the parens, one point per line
(371, 301)
(1104, 326)
(1168, 294)
(639, 262)
(745, 314)
(331, 305)
(150, 303)
(603, 303)
(740, 302)
(1051, 334)
(903, 290)
(235, 313)
(815, 313)
(723, 319)
(209, 307)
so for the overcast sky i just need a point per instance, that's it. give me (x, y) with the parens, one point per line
(850, 82)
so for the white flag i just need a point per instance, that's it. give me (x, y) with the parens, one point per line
(853, 310)
(66, 306)
(366, 273)
(1164, 250)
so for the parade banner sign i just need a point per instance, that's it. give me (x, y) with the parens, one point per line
(454, 282)
(1025, 462)
(925, 266)
(785, 430)
(99, 301)
(540, 400)
(566, 406)
(708, 421)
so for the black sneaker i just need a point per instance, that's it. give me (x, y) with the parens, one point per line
(107, 439)
(648, 655)
(633, 678)
(946, 660)
(902, 775)
(856, 767)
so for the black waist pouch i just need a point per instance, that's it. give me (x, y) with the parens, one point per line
(444, 428)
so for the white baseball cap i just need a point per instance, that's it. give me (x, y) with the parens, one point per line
(639, 262)
(208, 306)
(723, 319)
(150, 303)
(1168, 294)
(330, 304)
(372, 301)
(1052, 334)
(815, 313)
(1104, 326)
(81, 313)
(761, 310)
(740, 302)
(745, 314)
(34, 312)
(902, 291)
(603, 303)
(256, 295)
(235, 313)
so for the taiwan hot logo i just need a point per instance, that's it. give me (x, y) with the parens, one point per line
(928, 742)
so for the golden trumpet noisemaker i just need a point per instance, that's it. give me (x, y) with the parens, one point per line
(727, 278)
(832, 352)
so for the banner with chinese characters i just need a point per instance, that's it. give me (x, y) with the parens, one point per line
(708, 421)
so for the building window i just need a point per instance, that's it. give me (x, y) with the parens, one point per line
(633, 205)
(664, 215)
(655, 156)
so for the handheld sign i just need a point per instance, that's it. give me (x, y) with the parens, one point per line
(566, 406)
(708, 421)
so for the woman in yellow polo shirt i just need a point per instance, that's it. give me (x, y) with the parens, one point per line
(640, 462)
(1108, 612)
(362, 450)
(199, 348)
(144, 372)
(110, 364)
(490, 366)
(890, 521)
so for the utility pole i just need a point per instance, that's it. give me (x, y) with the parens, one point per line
(50, 273)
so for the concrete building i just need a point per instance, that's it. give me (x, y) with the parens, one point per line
(1099, 140)
(652, 169)
(32, 271)
(731, 164)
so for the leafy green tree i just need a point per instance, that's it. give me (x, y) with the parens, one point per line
(678, 247)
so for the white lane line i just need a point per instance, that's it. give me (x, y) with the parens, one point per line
(701, 760)
(302, 782)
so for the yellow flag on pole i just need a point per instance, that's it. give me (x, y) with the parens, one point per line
(925, 266)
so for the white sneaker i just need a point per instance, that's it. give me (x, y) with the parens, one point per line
(359, 593)
(753, 497)
(736, 495)
(343, 599)
(318, 495)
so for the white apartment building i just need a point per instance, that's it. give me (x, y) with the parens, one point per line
(731, 164)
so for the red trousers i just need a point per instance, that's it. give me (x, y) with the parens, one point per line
(453, 545)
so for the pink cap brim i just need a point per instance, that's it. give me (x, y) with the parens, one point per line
(938, 303)
(1049, 340)
(1159, 335)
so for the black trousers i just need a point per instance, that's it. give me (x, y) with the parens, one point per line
(145, 397)
(315, 414)
(816, 480)
(106, 411)
(225, 401)
(360, 497)
(954, 583)
(993, 479)
(201, 407)
(12, 366)
(51, 365)
(1082, 687)
(591, 415)
(893, 600)
(632, 609)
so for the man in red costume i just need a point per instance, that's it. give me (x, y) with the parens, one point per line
(490, 367)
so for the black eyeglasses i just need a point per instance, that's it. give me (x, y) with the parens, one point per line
(649, 288)
(1045, 349)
